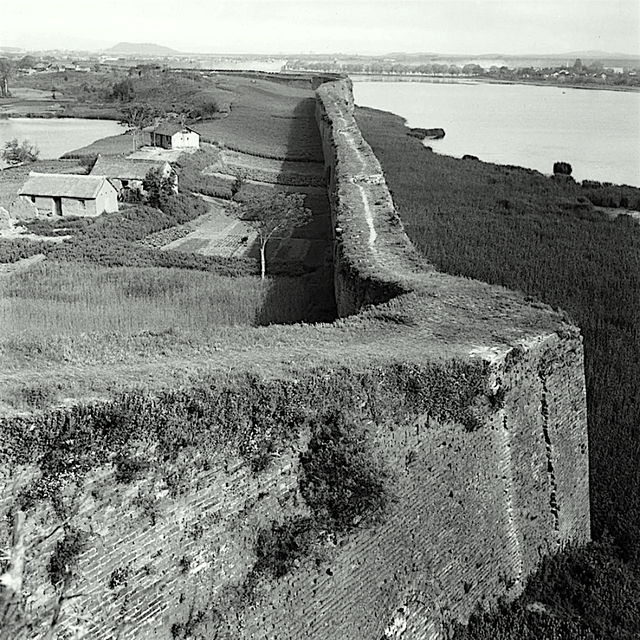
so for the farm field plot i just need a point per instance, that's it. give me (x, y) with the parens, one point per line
(286, 172)
(267, 119)
(221, 233)
(54, 299)
(218, 232)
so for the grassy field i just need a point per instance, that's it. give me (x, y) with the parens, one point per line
(269, 120)
(251, 115)
(262, 117)
(547, 238)
(69, 299)
(121, 145)
(92, 94)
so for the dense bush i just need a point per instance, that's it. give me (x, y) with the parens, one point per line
(113, 239)
(18, 153)
(604, 194)
(279, 547)
(57, 226)
(64, 560)
(562, 168)
(342, 480)
(587, 593)
(191, 178)
(12, 250)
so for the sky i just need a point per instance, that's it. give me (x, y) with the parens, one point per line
(368, 27)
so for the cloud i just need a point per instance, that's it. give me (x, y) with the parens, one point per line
(358, 26)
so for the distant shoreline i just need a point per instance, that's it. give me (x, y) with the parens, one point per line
(378, 77)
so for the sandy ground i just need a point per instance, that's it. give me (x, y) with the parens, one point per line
(156, 153)
(221, 233)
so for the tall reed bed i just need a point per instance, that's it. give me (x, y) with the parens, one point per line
(545, 237)
(69, 298)
(542, 236)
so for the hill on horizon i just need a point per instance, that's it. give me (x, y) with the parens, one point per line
(146, 48)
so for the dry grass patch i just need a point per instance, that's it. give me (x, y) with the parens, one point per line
(53, 299)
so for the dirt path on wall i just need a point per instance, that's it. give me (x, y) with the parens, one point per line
(362, 174)
(264, 353)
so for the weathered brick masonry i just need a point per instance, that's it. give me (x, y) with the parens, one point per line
(474, 510)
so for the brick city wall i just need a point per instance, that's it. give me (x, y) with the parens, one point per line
(474, 509)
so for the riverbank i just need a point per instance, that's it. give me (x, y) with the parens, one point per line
(366, 77)
(27, 102)
(52, 109)
(527, 126)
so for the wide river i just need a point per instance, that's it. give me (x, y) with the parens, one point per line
(55, 136)
(597, 132)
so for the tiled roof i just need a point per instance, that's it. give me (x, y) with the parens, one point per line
(63, 185)
(124, 169)
(169, 129)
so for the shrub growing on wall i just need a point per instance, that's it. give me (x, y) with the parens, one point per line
(342, 481)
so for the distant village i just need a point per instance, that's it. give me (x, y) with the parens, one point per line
(589, 72)
(29, 63)
(615, 72)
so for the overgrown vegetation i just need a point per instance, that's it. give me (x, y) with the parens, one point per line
(113, 239)
(345, 484)
(546, 237)
(64, 560)
(343, 481)
(15, 152)
(587, 593)
(190, 168)
(255, 417)
(103, 93)
(19, 248)
(72, 299)
(278, 549)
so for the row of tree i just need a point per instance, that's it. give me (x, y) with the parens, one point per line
(577, 72)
